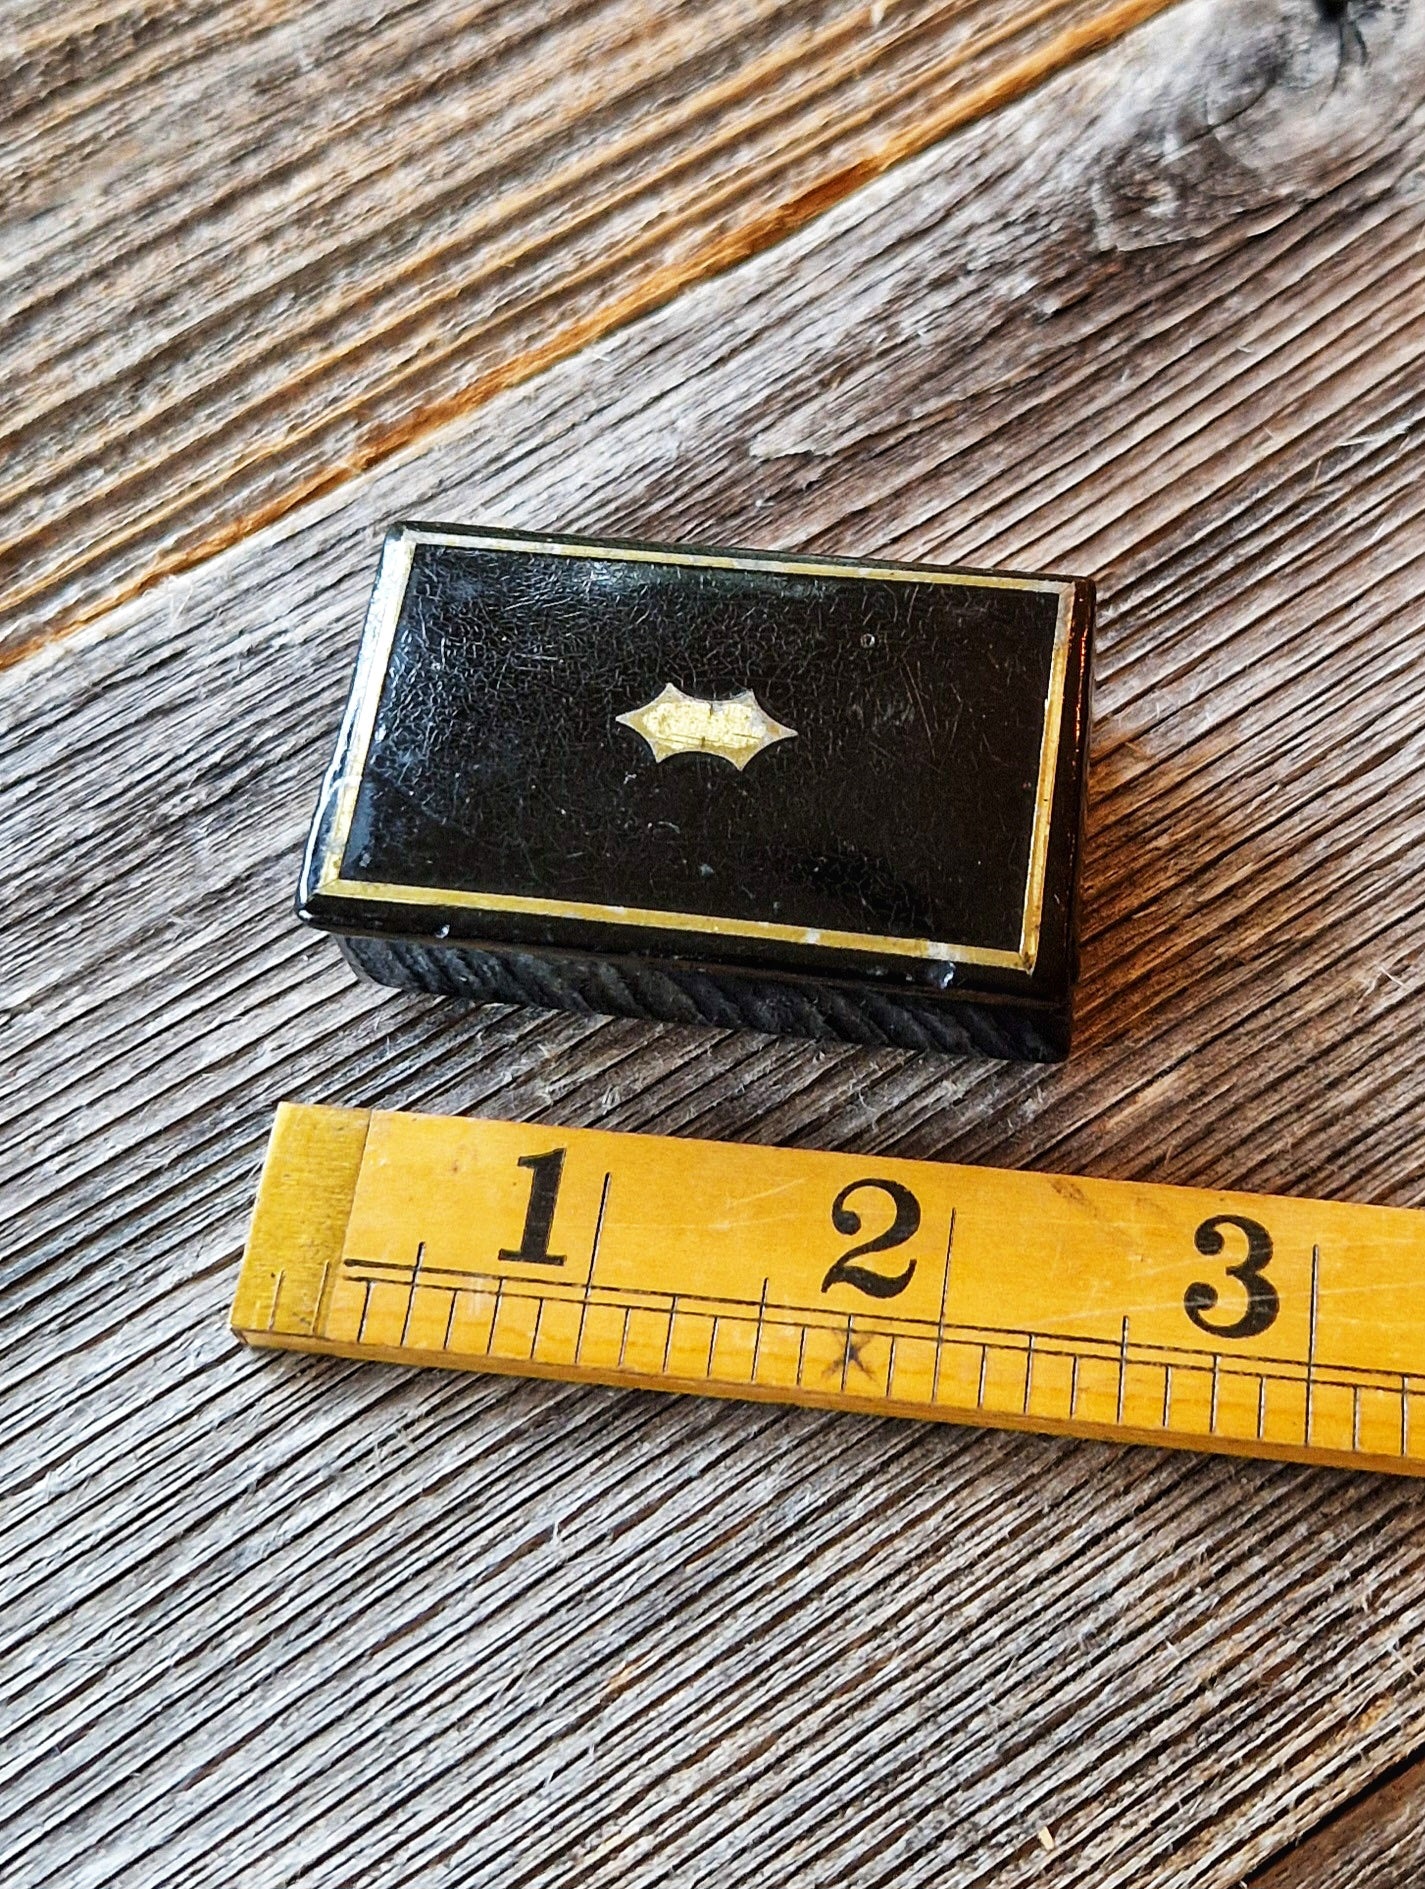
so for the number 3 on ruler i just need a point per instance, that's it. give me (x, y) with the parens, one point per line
(1262, 1301)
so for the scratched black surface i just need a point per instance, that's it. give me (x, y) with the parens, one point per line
(904, 806)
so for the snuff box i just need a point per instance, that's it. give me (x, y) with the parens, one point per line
(801, 794)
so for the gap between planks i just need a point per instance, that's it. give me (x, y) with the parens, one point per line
(214, 409)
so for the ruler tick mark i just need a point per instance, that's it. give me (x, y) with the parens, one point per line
(757, 1334)
(1122, 1365)
(1074, 1384)
(1311, 1341)
(1356, 1417)
(494, 1316)
(539, 1306)
(668, 1340)
(1212, 1403)
(1167, 1396)
(940, 1321)
(323, 1306)
(984, 1370)
(583, 1315)
(449, 1321)
(276, 1295)
(411, 1293)
(712, 1346)
(1405, 1416)
(598, 1229)
(1028, 1373)
(1261, 1407)
(365, 1308)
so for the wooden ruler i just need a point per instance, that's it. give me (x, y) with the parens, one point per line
(1261, 1326)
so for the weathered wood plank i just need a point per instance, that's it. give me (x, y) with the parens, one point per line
(252, 247)
(1378, 1843)
(274, 1620)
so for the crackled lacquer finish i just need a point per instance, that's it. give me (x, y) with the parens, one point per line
(891, 852)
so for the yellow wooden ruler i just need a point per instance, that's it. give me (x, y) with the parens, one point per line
(1258, 1325)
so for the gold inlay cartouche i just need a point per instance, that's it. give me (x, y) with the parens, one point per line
(736, 728)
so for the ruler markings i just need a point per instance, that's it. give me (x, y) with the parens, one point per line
(747, 1239)
(587, 1290)
(1028, 1374)
(1311, 1341)
(494, 1317)
(1051, 1344)
(411, 1291)
(579, 1335)
(599, 1226)
(735, 1310)
(323, 1299)
(940, 1321)
(757, 1334)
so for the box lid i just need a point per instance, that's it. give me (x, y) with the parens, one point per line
(863, 770)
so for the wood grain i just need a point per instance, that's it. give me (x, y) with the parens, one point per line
(257, 245)
(280, 1621)
(1377, 1843)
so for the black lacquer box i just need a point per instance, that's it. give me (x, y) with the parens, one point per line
(800, 794)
